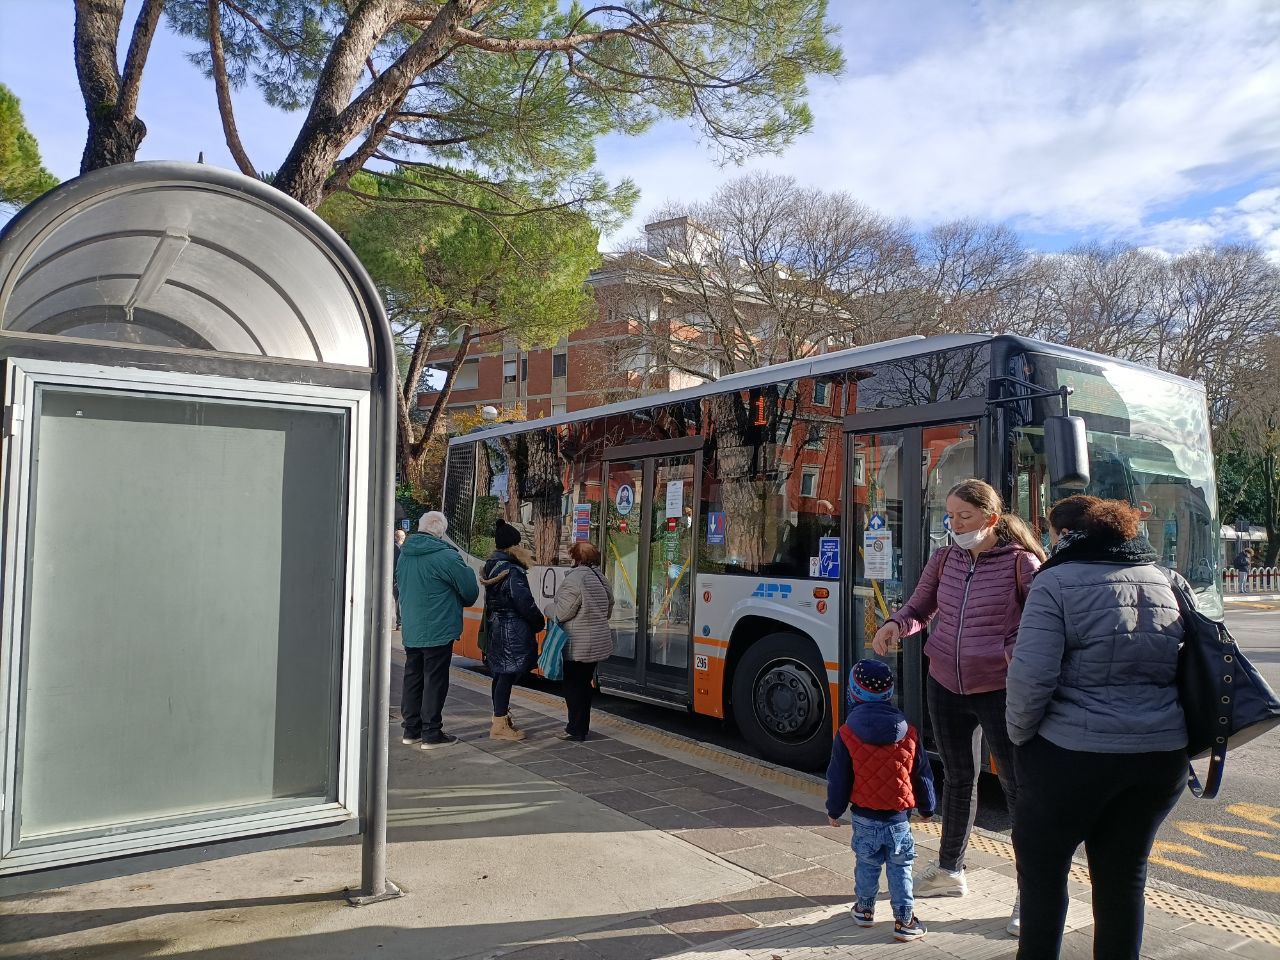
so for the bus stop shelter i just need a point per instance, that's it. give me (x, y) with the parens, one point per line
(197, 510)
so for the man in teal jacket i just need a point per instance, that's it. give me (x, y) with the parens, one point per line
(435, 586)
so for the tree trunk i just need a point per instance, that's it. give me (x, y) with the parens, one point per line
(413, 452)
(1273, 491)
(111, 100)
(335, 119)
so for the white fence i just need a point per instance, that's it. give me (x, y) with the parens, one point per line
(1257, 580)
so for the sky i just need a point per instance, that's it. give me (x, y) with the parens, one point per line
(1075, 122)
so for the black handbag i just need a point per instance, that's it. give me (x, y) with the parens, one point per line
(1226, 701)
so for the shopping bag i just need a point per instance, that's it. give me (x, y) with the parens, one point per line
(551, 659)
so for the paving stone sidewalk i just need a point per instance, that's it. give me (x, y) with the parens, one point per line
(799, 909)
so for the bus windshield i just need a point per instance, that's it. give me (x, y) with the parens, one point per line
(1149, 445)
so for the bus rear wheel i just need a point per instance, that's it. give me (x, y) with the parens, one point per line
(780, 701)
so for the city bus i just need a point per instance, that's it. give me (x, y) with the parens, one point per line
(758, 529)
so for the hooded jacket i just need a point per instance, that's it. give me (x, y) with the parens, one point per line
(434, 584)
(1096, 665)
(876, 724)
(513, 618)
(975, 606)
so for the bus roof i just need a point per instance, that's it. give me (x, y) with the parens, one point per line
(819, 365)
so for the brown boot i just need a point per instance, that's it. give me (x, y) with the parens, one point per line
(501, 729)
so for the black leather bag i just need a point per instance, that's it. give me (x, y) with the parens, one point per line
(1226, 701)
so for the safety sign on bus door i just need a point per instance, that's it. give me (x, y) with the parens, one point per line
(581, 522)
(715, 528)
(829, 557)
(877, 552)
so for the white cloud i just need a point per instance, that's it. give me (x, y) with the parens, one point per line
(1254, 218)
(1094, 118)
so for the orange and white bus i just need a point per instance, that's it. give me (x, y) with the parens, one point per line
(759, 528)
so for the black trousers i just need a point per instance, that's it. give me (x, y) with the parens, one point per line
(1113, 803)
(426, 685)
(959, 723)
(500, 689)
(577, 696)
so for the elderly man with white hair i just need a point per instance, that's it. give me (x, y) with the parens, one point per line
(435, 586)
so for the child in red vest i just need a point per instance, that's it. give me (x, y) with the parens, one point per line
(879, 770)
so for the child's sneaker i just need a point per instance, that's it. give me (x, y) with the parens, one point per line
(913, 929)
(863, 918)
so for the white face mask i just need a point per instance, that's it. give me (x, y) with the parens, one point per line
(967, 541)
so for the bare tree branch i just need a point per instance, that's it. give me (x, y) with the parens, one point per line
(223, 88)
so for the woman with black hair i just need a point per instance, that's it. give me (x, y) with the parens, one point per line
(1092, 707)
(513, 622)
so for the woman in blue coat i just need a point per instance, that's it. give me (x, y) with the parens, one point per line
(512, 624)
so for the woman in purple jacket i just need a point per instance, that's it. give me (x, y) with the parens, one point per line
(973, 592)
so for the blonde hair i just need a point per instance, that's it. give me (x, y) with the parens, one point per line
(1010, 528)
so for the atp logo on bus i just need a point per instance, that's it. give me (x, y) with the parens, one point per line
(773, 591)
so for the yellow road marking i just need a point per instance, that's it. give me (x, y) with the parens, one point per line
(1206, 831)
(1257, 813)
(1162, 851)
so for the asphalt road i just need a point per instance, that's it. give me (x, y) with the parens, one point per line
(1228, 847)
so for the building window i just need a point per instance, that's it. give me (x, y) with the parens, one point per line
(559, 364)
(524, 369)
(809, 482)
(468, 377)
(558, 407)
(508, 371)
(822, 393)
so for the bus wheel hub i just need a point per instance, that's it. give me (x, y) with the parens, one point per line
(788, 701)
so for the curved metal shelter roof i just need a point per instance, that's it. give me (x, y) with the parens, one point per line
(186, 256)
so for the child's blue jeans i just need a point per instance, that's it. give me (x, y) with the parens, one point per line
(888, 845)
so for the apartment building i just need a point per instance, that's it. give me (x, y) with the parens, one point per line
(603, 362)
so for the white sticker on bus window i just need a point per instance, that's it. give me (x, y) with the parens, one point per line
(625, 499)
(675, 498)
(877, 549)
(814, 563)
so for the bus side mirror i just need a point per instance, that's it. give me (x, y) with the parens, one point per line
(1066, 451)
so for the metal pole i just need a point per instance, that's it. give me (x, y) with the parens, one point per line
(374, 885)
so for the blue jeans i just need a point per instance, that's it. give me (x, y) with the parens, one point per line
(888, 845)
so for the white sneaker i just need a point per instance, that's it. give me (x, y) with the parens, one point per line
(410, 741)
(1014, 929)
(937, 882)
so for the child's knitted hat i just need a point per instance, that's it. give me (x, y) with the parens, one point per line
(870, 681)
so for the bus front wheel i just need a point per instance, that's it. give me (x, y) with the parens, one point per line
(780, 701)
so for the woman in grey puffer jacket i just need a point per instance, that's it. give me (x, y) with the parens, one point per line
(1092, 705)
(583, 605)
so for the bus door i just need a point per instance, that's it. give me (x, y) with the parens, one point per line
(648, 556)
(899, 466)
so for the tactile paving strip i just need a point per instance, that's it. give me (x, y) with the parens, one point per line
(1209, 914)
